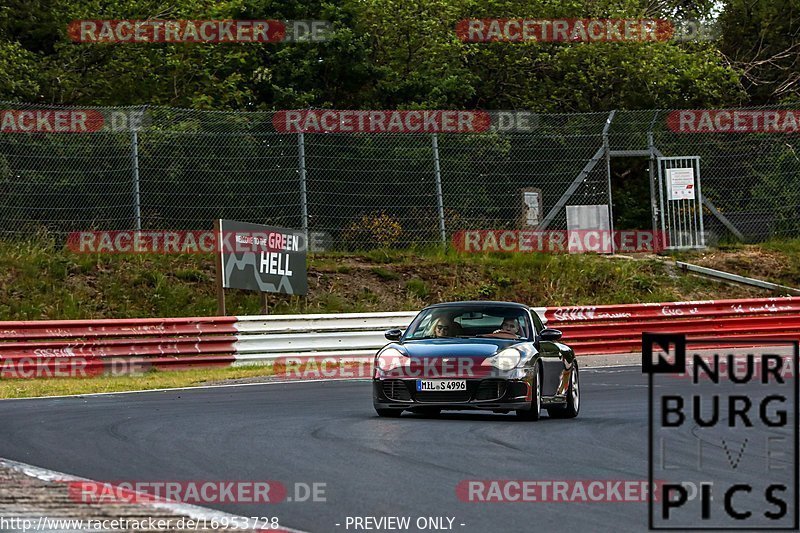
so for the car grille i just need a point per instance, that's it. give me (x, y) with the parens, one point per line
(443, 396)
(395, 389)
(491, 389)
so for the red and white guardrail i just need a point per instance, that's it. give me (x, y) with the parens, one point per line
(608, 329)
(211, 341)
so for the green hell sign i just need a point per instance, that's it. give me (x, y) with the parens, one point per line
(262, 258)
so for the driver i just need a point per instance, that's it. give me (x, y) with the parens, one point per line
(510, 325)
(442, 327)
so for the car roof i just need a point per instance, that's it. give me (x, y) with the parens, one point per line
(481, 303)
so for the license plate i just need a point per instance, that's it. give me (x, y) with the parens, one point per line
(441, 384)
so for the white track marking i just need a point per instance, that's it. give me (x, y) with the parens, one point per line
(194, 512)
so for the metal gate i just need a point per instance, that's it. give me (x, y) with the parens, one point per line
(680, 203)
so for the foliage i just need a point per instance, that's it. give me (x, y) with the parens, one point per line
(762, 42)
(381, 54)
(375, 230)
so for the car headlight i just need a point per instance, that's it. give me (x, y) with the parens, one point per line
(392, 358)
(508, 359)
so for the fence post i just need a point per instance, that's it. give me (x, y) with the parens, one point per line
(607, 148)
(137, 208)
(301, 152)
(651, 147)
(439, 198)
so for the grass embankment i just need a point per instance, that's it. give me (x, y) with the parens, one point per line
(156, 379)
(39, 280)
(171, 379)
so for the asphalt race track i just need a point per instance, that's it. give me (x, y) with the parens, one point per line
(328, 432)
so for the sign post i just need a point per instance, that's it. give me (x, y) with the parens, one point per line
(220, 282)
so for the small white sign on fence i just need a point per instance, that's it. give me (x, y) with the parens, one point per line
(681, 183)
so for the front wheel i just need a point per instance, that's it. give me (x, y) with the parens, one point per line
(573, 406)
(389, 413)
(534, 413)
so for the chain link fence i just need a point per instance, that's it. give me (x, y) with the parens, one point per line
(73, 169)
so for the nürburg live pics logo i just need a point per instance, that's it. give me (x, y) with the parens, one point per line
(723, 443)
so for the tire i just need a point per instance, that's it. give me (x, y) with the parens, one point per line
(535, 412)
(389, 413)
(573, 406)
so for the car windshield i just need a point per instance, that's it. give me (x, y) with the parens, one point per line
(469, 321)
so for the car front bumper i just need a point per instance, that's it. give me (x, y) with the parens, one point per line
(492, 394)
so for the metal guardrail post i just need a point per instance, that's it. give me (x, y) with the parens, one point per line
(301, 152)
(735, 278)
(439, 197)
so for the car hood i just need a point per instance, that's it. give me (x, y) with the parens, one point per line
(455, 347)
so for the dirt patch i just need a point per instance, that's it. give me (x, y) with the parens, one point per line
(753, 261)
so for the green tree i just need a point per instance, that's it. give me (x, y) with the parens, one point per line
(388, 54)
(761, 39)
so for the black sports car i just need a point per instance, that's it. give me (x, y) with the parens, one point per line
(493, 356)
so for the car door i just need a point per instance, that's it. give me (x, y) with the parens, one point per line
(552, 359)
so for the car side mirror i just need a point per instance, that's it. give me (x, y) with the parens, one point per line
(550, 334)
(393, 334)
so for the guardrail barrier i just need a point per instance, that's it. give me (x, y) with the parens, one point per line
(30, 346)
